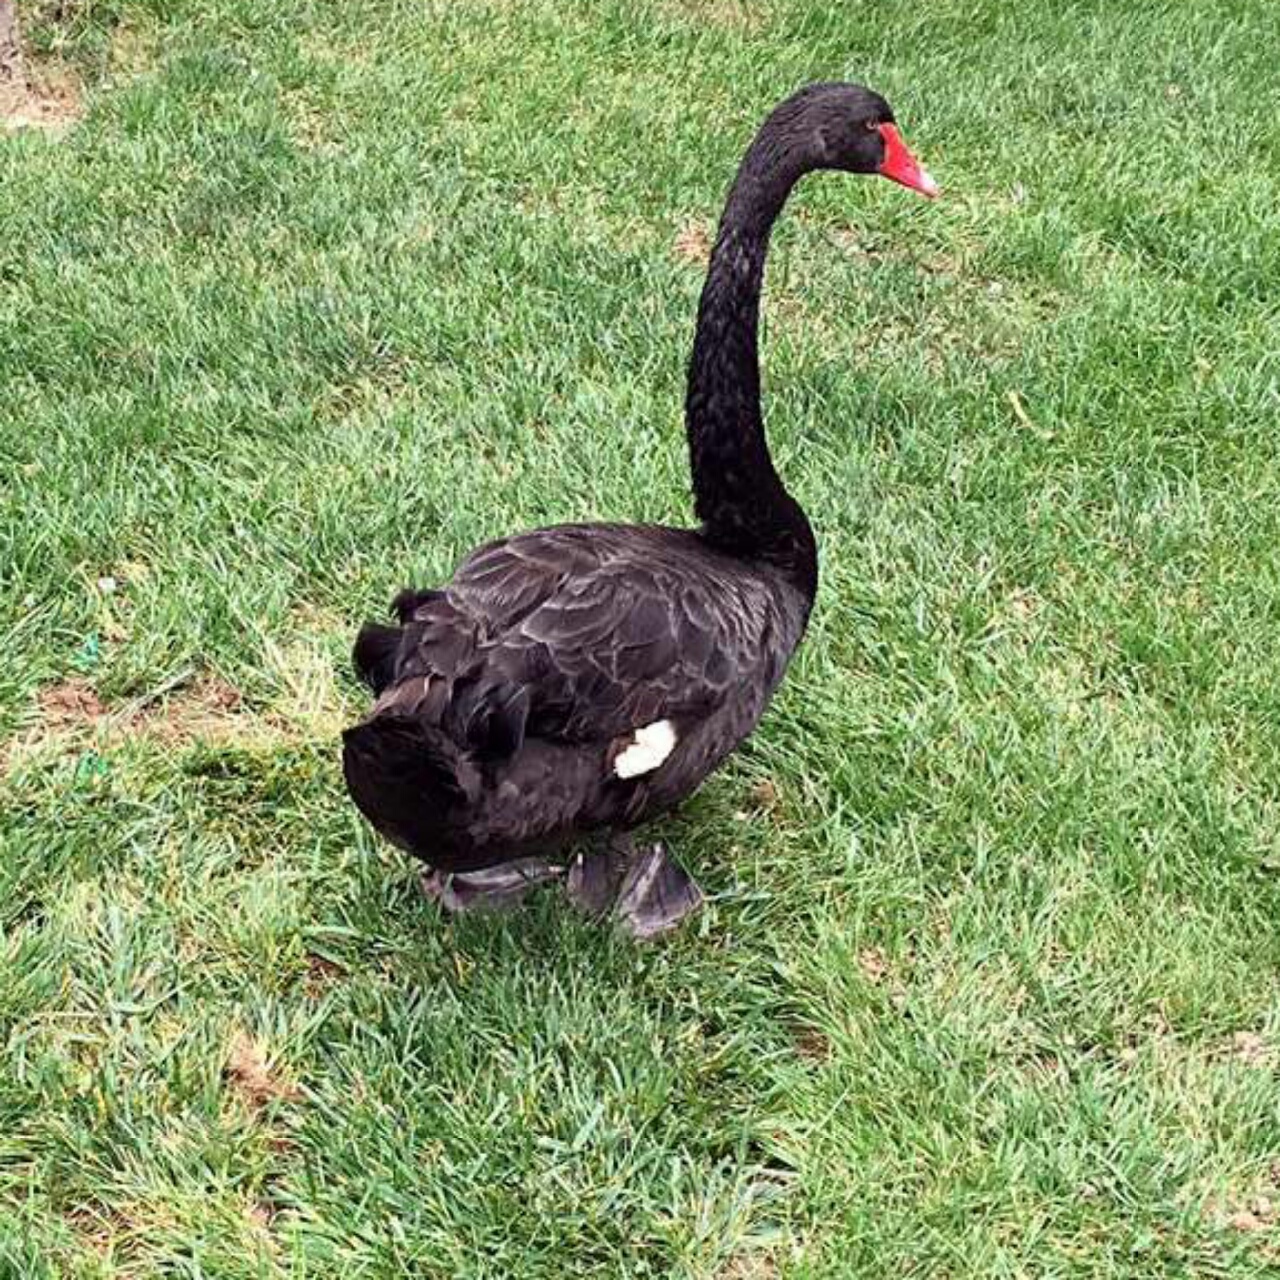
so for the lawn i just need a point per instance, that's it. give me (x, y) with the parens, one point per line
(314, 298)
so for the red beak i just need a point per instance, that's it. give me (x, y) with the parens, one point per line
(901, 166)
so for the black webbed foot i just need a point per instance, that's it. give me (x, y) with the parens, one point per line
(656, 894)
(648, 892)
(492, 889)
(595, 878)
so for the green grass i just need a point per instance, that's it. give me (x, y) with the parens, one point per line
(317, 297)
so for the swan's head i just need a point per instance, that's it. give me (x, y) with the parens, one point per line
(846, 126)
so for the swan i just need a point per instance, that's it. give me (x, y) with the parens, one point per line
(586, 678)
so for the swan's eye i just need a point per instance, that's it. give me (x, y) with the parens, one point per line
(872, 126)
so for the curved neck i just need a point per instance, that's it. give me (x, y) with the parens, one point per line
(743, 505)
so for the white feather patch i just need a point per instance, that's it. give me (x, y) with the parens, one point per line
(649, 747)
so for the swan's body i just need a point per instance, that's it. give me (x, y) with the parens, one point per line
(549, 654)
(591, 676)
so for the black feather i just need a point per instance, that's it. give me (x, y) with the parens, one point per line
(374, 655)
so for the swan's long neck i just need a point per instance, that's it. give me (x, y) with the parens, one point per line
(743, 505)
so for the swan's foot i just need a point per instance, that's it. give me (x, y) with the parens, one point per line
(596, 876)
(657, 894)
(490, 889)
(648, 891)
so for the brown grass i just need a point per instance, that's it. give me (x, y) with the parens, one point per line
(250, 1075)
(733, 15)
(753, 1265)
(693, 243)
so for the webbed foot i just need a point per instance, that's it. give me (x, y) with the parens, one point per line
(656, 895)
(648, 891)
(490, 889)
(595, 878)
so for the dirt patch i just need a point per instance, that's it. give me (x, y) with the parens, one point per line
(205, 709)
(48, 98)
(1257, 1212)
(69, 704)
(1258, 1215)
(874, 965)
(1251, 1049)
(878, 971)
(766, 795)
(1250, 1211)
(260, 1215)
(812, 1044)
(250, 1075)
(98, 1228)
(320, 976)
(192, 708)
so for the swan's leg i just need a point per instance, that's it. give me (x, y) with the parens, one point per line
(656, 895)
(595, 876)
(648, 891)
(490, 889)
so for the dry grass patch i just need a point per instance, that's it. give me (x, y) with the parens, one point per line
(1251, 1049)
(206, 709)
(1250, 1212)
(731, 15)
(693, 243)
(755, 1264)
(251, 1075)
(71, 716)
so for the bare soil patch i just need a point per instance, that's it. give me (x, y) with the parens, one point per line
(47, 98)
(71, 716)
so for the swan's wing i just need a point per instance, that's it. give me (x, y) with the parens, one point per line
(632, 644)
(588, 633)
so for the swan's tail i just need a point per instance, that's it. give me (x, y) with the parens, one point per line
(375, 654)
(408, 778)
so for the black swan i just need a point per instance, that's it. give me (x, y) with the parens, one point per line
(589, 677)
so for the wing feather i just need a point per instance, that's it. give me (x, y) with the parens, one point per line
(584, 633)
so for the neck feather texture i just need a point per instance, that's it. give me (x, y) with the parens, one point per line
(743, 505)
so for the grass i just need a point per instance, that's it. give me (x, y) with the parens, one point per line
(315, 298)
